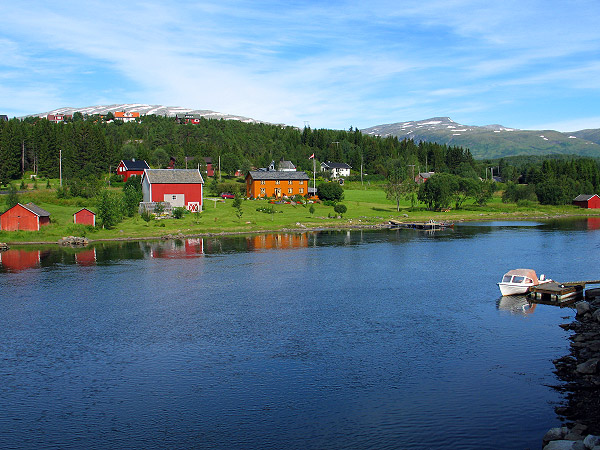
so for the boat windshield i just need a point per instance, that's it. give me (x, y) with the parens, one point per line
(518, 279)
(506, 279)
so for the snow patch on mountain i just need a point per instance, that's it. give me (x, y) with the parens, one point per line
(144, 109)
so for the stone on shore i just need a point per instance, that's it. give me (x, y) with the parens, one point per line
(73, 241)
(565, 445)
(588, 367)
(583, 308)
(591, 441)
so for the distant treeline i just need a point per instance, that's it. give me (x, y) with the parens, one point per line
(91, 146)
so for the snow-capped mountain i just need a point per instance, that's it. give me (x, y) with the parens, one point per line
(489, 141)
(143, 109)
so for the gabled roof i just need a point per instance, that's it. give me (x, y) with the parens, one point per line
(335, 165)
(3, 117)
(584, 197)
(173, 176)
(426, 174)
(134, 164)
(276, 175)
(283, 164)
(85, 209)
(36, 209)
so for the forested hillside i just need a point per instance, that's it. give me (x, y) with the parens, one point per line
(92, 147)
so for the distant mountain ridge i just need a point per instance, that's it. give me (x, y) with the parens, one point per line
(488, 141)
(144, 109)
(493, 141)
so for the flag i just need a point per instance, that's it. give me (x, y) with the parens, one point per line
(311, 156)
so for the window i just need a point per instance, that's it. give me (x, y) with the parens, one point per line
(290, 191)
(301, 182)
(301, 191)
(277, 182)
(290, 182)
(262, 181)
(262, 191)
(518, 279)
(506, 279)
(174, 197)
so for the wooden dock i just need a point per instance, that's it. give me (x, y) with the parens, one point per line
(431, 225)
(554, 293)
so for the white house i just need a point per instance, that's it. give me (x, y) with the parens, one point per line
(336, 169)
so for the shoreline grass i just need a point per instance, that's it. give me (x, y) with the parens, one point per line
(367, 208)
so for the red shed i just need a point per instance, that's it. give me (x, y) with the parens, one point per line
(587, 201)
(85, 217)
(130, 167)
(179, 187)
(27, 217)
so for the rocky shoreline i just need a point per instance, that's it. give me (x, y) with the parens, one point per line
(579, 373)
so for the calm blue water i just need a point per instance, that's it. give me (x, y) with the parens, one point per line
(359, 340)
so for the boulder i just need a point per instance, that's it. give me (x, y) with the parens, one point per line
(561, 445)
(589, 367)
(582, 307)
(591, 441)
(554, 434)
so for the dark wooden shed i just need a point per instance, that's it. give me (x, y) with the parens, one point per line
(591, 201)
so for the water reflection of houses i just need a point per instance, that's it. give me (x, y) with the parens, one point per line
(15, 260)
(177, 248)
(86, 257)
(593, 223)
(277, 241)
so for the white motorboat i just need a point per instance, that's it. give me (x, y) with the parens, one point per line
(518, 281)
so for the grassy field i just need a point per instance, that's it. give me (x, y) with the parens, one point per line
(367, 206)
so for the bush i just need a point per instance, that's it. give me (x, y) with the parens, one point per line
(146, 215)
(340, 209)
(330, 191)
(178, 212)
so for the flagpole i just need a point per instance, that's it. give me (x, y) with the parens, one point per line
(314, 175)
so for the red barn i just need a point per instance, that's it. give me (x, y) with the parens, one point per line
(179, 187)
(587, 201)
(85, 217)
(130, 167)
(27, 217)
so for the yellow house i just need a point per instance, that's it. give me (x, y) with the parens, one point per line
(273, 183)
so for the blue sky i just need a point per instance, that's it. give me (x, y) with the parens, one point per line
(335, 64)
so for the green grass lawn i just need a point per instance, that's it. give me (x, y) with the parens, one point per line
(365, 207)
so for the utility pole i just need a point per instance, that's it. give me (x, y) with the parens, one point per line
(219, 168)
(361, 171)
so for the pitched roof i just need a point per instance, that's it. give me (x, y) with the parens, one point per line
(335, 165)
(36, 209)
(276, 175)
(173, 176)
(85, 209)
(283, 164)
(134, 164)
(584, 197)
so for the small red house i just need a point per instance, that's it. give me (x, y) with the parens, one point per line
(587, 201)
(85, 217)
(130, 167)
(179, 187)
(27, 217)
